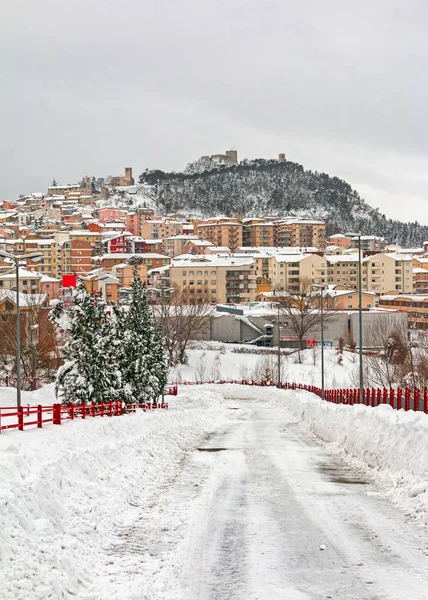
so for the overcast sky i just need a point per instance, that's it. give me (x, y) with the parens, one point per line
(92, 86)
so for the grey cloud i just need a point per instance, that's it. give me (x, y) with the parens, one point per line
(89, 86)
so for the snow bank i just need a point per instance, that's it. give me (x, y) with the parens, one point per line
(65, 491)
(44, 396)
(390, 446)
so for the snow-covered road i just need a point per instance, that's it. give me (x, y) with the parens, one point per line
(228, 495)
(271, 500)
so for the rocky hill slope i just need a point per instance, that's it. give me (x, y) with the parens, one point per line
(268, 187)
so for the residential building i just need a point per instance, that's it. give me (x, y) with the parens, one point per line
(300, 233)
(289, 270)
(414, 305)
(388, 273)
(216, 279)
(134, 220)
(369, 243)
(221, 231)
(29, 281)
(196, 246)
(343, 241)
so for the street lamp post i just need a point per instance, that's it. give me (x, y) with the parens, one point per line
(360, 313)
(34, 330)
(321, 288)
(279, 350)
(17, 258)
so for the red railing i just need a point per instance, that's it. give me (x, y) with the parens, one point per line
(30, 416)
(398, 398)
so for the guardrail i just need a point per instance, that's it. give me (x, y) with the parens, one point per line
(30, 416)
(398, 398)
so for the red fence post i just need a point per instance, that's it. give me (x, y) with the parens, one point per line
(56, 414)
(416, 395)
(20, 412)
(39, 416)
(391, 397)
(110, 408)
(93, 409)
(399, 394)
(426, 400)
(407, 399)
(83, 407)
(72, 411)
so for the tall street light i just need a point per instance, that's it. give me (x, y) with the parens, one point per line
(17, 258)
(279, 349)
(321, 288)
(360, 312)
(34, 331)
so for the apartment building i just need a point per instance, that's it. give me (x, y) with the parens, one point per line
(111, 213)
(176, 243)
(47, 264)
(288, 270)
(343, 270)
(414, 305)
(29, 281)
(135, 220)
(215, 279)
(196, 246)
(300, 233)
(103, 283)
(340, 240)
(125, 274)
(258, 232)
(74, 256)
(161, 230)
(369, 243)
(384, 273)
(221, 231)
(135, 244)
(339, 298)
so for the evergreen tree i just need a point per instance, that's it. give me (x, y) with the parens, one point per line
(89, 372)
(144, 369)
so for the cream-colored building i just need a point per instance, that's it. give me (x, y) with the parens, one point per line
(289, 269)
(29, 281)
(383, 273)
(342, 269)
(216, 279)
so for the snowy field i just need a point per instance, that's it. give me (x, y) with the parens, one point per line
(210, 361)
(101, 508)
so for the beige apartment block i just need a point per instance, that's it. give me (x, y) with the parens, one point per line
(161, 230)
(216, 279)
(258, 232)
(383, 273)
(301, 233)
(221, 231)
(343, 270)
(340, 298)
(29, 281)
(47, 264)
(288, 270)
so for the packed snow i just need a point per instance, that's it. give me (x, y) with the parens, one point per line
(98, 508)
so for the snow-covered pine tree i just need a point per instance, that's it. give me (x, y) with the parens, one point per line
(88, 373)
(144, 366)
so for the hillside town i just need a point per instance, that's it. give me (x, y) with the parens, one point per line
(81, 231)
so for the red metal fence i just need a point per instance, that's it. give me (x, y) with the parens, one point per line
(398, 398)
(30, 416)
